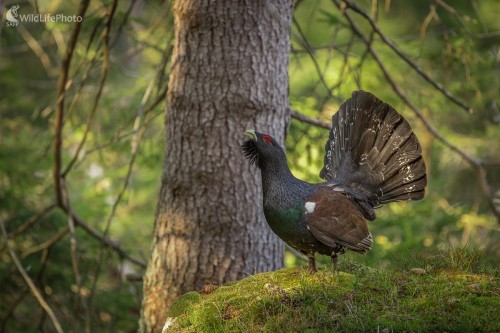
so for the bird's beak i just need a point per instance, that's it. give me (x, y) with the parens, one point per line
(251, 134)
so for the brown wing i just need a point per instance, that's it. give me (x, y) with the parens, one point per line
(334, 220)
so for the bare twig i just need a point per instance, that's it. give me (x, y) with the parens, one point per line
(34, 219)
(47, 244)
(29, 282)
(106, 241)
(22, 228)
(38, 50)
(71, 228)
(61, 92)
(95, 234)
(60, 188)
(337, 47)
(40, 282)
(308, 120)
(97, 98)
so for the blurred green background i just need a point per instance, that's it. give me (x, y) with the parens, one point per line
(458, 46)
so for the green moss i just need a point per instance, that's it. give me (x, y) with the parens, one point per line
(361, 299)
(182, 303)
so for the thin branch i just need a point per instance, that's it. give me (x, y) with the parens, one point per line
(40, 282)
(95, 234)
(475, 163)
(106, 241)
(61, 92)
(60, 187)
(403, 56)
(37, 50)
(30, 283)
(308, 120)
(336, 47)
(95, 104)
(34, 219)
(47, 244)
(73, 241)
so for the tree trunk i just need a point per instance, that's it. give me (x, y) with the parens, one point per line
(229, 73)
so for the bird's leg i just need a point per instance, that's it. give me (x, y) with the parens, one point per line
(312, 265)
(334, 262)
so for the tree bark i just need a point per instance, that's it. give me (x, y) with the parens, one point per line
(229, 73)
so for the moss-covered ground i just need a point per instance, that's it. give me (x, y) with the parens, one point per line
(429, 293)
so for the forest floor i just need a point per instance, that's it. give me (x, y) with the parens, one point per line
(440, 292)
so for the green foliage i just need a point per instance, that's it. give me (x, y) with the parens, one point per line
(98, 295)
(445, 297)
(454, 49)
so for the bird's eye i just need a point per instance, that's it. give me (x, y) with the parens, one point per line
(267, 139)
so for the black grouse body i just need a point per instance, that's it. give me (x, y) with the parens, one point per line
(372, 158)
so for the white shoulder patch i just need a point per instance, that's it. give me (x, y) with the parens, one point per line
(310, 207)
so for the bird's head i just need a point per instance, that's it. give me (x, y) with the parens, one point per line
(261, 148)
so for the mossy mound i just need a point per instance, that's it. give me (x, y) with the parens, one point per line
(359, 300)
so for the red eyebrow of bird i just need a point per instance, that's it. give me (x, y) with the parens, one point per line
(266, 139)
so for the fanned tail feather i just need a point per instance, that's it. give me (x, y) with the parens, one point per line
(373, 150)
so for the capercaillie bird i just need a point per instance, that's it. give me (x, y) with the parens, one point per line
(372, 158)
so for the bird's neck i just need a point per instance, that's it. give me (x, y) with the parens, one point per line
(280, 187)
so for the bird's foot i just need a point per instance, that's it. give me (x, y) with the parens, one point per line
(334, 263)
(311, 266)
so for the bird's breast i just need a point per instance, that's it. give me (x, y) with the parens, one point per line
(289, 224)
